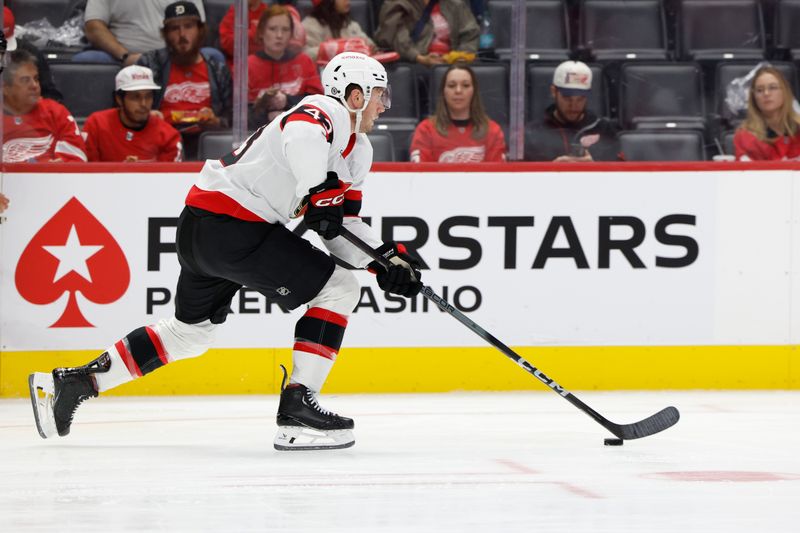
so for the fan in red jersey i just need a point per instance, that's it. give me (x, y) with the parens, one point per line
(277, 78)
(129, 132)
(255, 8)
(459, 131)
(36, 129)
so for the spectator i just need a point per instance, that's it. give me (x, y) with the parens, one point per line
(459, 130)
(770, 131)
(423, 31)
(255, 8)
(35, 129)
(197, 92)
(569, 131)
(130, 132)
(330, 19)
(278, 79)
(49, 89)
(119, 31)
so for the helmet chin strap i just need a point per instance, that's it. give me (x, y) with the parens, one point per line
(357, 112)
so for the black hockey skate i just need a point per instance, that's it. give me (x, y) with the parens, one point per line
(305, 425)
(56, 396)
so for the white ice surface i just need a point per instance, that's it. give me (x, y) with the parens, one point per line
(494, 462)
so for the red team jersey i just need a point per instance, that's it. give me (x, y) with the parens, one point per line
(187, 89)
(427, 146)
(294, 76)
(48, 132)
(107, 139)
(749, 148)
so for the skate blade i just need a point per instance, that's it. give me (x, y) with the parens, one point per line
(297, 438)
(42, 390)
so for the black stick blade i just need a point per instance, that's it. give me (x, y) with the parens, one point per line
(666, 418)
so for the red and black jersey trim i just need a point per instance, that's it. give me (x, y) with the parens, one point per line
(350, 145)
(313, 115)
(142, 351)
(320, 332)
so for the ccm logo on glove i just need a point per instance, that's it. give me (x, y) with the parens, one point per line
(324, 211)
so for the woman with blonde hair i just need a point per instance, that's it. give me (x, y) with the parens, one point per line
(771, 130)
(459, 131)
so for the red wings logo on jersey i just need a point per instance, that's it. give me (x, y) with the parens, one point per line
(72, 252)
(187, 91)
(24, 149)
(463, 154)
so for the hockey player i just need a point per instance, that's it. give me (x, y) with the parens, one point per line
(309, 162)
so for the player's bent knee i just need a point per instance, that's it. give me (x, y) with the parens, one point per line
(340, 294)
(182, 340)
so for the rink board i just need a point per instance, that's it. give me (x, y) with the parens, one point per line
(607, 277)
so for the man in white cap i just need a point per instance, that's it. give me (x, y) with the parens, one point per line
(569, 132)
(130, 132)
(310, 162)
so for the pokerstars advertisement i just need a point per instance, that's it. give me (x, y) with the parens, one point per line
(592, 258)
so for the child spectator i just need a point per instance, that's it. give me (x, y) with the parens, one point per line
(130, 132)
(330, 19)
(460, 130)
(35, 129)
(770, 131)
(423, 31)
(277, 78)
(255, 8)
(197, 92)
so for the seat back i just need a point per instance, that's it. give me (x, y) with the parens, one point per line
(721, 29)
(619, 29)
(493, 84)
(26, 11)
(546, 29)
(382, 145)
(727, 142)
(215, 12)
(214, 144)
(660, 93)
(662, 145)
(539, 79)
(405, 101)
(72, 78)
(786, 22)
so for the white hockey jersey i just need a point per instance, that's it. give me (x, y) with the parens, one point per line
(267, 177)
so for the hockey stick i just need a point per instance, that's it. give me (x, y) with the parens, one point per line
(651, 425)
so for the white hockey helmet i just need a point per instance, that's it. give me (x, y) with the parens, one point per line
(359, 69)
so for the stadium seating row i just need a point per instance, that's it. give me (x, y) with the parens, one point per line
(604, 30)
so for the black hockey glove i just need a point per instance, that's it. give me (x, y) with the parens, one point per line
(403, 277)
(324, 206)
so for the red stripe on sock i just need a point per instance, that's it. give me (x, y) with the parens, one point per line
(156, 340)
(127, 358)
(328, 316)
(316, 349)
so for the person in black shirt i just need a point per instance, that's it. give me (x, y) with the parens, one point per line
(569, 132)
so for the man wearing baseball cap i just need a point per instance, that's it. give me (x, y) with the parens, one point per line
(569, 132)
(129, 132)
(196, 89)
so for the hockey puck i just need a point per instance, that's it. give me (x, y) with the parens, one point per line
(613, 442)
